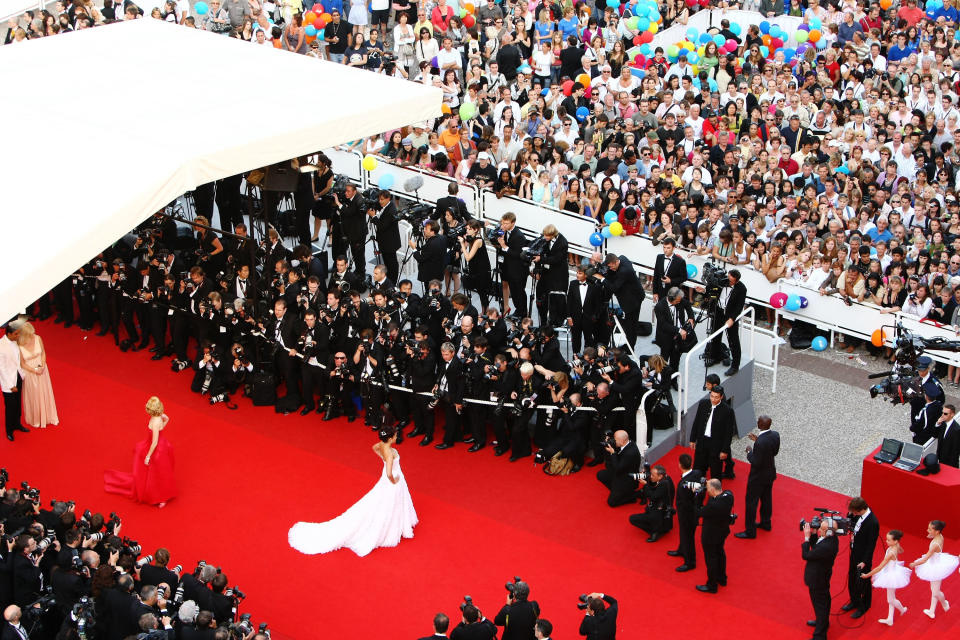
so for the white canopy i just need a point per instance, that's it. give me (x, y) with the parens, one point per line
(103, 127)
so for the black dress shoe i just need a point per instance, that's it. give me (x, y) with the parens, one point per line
(156, 356)
(58, 319)
(426, 440)
(515, 458)
(848, 607)
(684, 568)
(20, 427)
(595, 462)
(469, 440)
(705, 588)
(575, 468)
(476, 447)
(351, 418)
(497, 451)
(722, 583)
(731, 371)
(743, 535)
(811, 623)
(857, 614)
(102, 333)
(654, 537)
(442, 446)
(673, 553)
(10, 437)
(416, 432)
(305, 410)
(67, 324)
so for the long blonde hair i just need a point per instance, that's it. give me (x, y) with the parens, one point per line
(26, 332)
(154, 407)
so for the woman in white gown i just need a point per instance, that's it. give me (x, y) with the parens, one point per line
(378, 519)
(934, 566)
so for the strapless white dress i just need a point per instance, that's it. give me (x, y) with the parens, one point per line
(379, 519)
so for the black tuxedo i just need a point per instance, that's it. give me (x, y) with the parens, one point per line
(604, 624)
(350, 228)
(431, 259)
(948, 443)
(8, 631)
(451, 203)
(193, 633)
(513, 270)
(923, 424)
(862, 545)
(450, 386)
(387, 233)
(480, 630)
(583, 312)
(722, 428)
(616, 475)
(657, 517)
(667, 335)
(715, 515)
(151, 574)
(731, 308)
(26, 580)
(676, 270)
(517, 619)
(553, 278)
(819, 556)
(763, 471)
(283, 333)
(350, 278)
(629, 386)
(687, 504)
(625, 284)
(118, 610)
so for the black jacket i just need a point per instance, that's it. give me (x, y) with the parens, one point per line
(677, 272)
(738, 297)
(948, 445)
(555, 271)
(454, 374)
(431, 258)
(480, 630)
(602, 626)
(715, 515)
(864, 542)
(721, 429)
(622, 463)
(387, 228)
(762, 458)
(589, 308)
(668, 332)
(517, 620)
(819, 557)
(513, 266)
(625, 284)
(686, 500)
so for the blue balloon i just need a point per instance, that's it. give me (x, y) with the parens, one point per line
(582, 113)
(822, 44)
(775, 31)
(735, 27)
(643, 24)
(692, 57)
(596, 240)
(696, 83)
(645, 49)
(719, 40)
(815, 23)
(842, 170)
(804, 302)
(545, 91)
(692, 34)
(765, 27)
(310, 30)
(764, 50)
(385, 181)
(605, 232)
(613, 4)
(819, 343)
(691, 270)
(788, 54)
(610, 217)
(653, 14)
(793, 302)
(201, 8)
(705, 38)
(713, 85)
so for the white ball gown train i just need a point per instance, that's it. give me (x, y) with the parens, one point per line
(379, 519)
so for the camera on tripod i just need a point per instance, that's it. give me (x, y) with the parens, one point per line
(714, 280)
(840, 526)
(533, 250)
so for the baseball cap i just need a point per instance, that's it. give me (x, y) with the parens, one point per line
(483, 155)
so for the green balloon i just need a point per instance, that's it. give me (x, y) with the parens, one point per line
(467, 111)
(801, 36)
(673, 51)
(632, 22)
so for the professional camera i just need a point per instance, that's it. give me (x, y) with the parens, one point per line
(690, 485)
(714, 280)
(36, 609)
(494, 234)
(511, 587)
(602, 269)
(83, 617)
(535, 249)
(643, 475)
(242, 627)
(903, 384)
(44, 542)
(608, 439)
(552, 384)
(467, 601)
(584, 602)
(131, 546)
(416, 215)
(30, 493)
(4, 478)
(841, 526)
(112, 523)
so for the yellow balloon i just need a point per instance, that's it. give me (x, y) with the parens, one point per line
(616, 229)
(653, 27)
(702, 50)
(688, 45)
(695, 69)
(369, 163)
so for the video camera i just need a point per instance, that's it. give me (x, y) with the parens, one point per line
(714, 280)
(841, 526)
(83, 617)
(533, 250)
(902, 384)
(416, 215)
(494, 234)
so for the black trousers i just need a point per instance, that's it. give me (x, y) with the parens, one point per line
(619, 496)
(582, 333)
(311, 381)
(389, 257)
(671, 354)
(759, 491)
(715, 557)
(158, 326)
(652, 521)
(400, 400)
(12, 407)
(551, 305)
(286, 367)
(733, 341)
(451, 426)
(518, 293)
(521, 435)
(501, 426)
(820, 599)
(63, 297)
(229, 202)
(373, 397)
(687, 530)
(706, 458)
(477, 416)
(860, 590)
(630, 322)
(423, 418)
(85, 306)
(203, 200)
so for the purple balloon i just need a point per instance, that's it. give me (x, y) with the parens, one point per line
(804, 27)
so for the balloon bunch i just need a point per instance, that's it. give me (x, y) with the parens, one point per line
(315, 20)
(466, 14)
(791, 302)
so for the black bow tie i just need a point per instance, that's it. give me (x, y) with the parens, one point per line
(242, 281)
(583, 284)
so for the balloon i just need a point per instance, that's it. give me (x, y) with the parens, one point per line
(819, 343)
(764, 50)
(317, 8)
(309, 17)
(596, 240)
(735, 28)
(713, 84)
(778, 299)
(814, 35)
(582, 113)
(434, 63)
(386, 181)
(692, 34)
(815, 23)
(320, 34)
(636, 40)
(705, 38)
(719, 40)
(461, 12)
(801, 36)
(793, 302)
(610, 217)
(823, 44)
(732, 45)
(467, 111)
(445, 108)
(311, 31)
(886, 4)
(634, 23)
(776, 43)
(613, 4)
(469, 21)
(646, 37)
(326, 17)
(691, 270)
(686, 45)
(605, 232)
(804, 303)
(765, 27)
(653, 28)
(201, 8)
(673, 51)
(645, 49)
(774, 31)
(469, 7)
(878, 337)
(692, 57)
(616, 228)
(369, 163)
(765, 39)
(789, 54)
(568, 87)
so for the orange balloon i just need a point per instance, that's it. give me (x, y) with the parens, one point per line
(766, 40)
(445, 108)
(584, 79)
(326, 17)
(309, 17)
(814, 35)
(469, 7)
(878, 337)
(886, 4)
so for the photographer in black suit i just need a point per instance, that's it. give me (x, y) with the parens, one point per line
(518, 616)
(600, 622)
(451, 202)
(621, 463)
(158, 573)
(629, 386)
(282, 332)
(689, 499)
(474, 626)
(863, 542)
(729, 307)
(431, 256)
(713, 428)
(440, 625)
(715, 515)
(675, 333)
(350, 228)
(819, 554)
(553, 277)
(763, 471)
(449, 389)
(622, 281)
(387, 233)
(513, 270)
(584, 301)
(669, 269)
(657, 492)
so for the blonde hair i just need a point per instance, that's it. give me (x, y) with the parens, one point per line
(154, 406)
(26, 332)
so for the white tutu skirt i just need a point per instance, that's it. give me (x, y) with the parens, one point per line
(938, 567)
(892, 576)
(358, 13)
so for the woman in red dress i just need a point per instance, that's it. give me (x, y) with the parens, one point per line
(152, 480)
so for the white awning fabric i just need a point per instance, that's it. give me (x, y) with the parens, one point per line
(15, 8)
(103, 127)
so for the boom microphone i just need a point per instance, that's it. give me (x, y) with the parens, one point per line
(413, 183)
(880, 375)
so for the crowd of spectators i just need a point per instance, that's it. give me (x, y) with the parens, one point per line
(71, 575)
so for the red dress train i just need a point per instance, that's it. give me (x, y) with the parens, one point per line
(150, 484)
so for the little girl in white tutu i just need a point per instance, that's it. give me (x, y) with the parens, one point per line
(934, 566)
(891, 575)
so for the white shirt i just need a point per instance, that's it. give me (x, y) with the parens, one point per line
(9, 364)
(708, 429)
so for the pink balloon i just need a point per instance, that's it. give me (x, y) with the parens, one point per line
(778, 300)
(732, 44)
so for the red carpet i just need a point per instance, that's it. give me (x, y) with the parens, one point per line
(246, 476)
